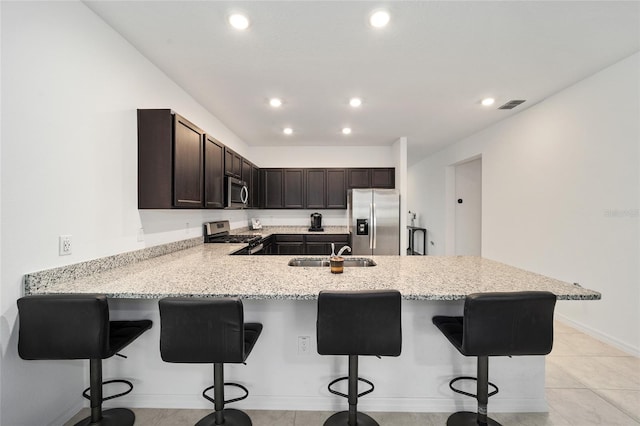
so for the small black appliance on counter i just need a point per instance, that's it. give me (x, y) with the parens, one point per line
(316, 222)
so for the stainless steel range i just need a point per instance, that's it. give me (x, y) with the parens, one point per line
(219, 232)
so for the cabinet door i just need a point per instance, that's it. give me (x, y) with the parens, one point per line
(336, 189)
(289, 244)
(293, 188)
(359, 178)
(213, 173)
(246, 177)
(255, 187)
(318, 249)
(155, 159)
(232, 163)
(383, 178)
(272, 183)
(321, 244)
(315, 188)
(237, 165)
(188, 185)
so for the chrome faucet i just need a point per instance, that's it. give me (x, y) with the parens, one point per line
(347, 248)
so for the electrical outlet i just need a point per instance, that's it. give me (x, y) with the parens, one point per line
(64, 245)
(140, 235)
(304, 343)
(186, 228)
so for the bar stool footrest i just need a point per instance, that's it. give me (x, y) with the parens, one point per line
(335, 392)
(87, 395)
(240, 398)
(495, 391)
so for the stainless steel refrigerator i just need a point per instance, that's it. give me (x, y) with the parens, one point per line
(374, 221)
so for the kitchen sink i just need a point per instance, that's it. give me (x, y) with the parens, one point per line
(324, 261)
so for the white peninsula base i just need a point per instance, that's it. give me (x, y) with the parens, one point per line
(278, 378)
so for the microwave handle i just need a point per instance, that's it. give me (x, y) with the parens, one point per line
(244, 198)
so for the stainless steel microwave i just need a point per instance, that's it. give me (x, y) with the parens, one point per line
(237, 194)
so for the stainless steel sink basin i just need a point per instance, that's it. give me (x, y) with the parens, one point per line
(323, 261)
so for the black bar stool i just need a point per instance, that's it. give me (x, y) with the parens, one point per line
(78, 327)
(497, 324)
(357, 323)
(209, 331)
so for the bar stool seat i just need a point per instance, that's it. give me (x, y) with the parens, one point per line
(66, 327)
(355, 323)
(497, 324)
(209, 331)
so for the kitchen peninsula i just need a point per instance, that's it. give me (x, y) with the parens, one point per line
(278, 375)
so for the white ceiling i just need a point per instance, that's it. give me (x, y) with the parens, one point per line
(421, 77)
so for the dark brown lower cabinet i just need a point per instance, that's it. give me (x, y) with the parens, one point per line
(289, 244)
(304, 244)
(321, 244)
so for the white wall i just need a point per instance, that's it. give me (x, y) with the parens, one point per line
(70, 89)
(560, 196)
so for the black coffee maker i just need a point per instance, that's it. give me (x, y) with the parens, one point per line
(316, 222)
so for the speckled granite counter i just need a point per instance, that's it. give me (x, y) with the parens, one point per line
(207, 270)
(270, 230)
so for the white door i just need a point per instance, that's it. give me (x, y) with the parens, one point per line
(468, 208)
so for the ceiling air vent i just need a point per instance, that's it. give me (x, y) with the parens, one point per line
(511, 104)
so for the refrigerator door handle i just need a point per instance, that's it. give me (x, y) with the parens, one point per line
(371, 226)
(375, 229)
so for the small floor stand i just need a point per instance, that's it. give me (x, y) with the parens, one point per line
(411, 250)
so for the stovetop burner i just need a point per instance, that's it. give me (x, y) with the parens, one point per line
(233, 239)
(218, 232)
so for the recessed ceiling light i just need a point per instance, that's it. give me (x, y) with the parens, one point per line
(355, 102)
(287, 130)
(275, 102)
(239, 22)
(488, 101)
(346, 131)
(379, 19)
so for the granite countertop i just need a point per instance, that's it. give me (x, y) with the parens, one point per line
(207, 270)
(270, 230)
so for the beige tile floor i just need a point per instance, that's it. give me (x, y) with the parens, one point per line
(588, 383)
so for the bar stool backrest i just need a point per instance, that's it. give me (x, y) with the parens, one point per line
(359, 323)
(63, 327)
(202, 330)
(508, 323)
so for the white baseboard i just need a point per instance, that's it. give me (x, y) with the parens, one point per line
(68, 413)
(600, 336)
(320, 403)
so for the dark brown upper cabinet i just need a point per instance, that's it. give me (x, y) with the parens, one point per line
(336, 189)
(380, 177)
(359, 178)
(170, 161)
(315, 188)
(383, 178)
(293, 188)
(254, 197)
(272, 192)
(213, 173)
(232, 163)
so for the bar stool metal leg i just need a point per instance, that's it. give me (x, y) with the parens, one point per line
(468, 418)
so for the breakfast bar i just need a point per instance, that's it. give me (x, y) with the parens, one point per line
(283, 375)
